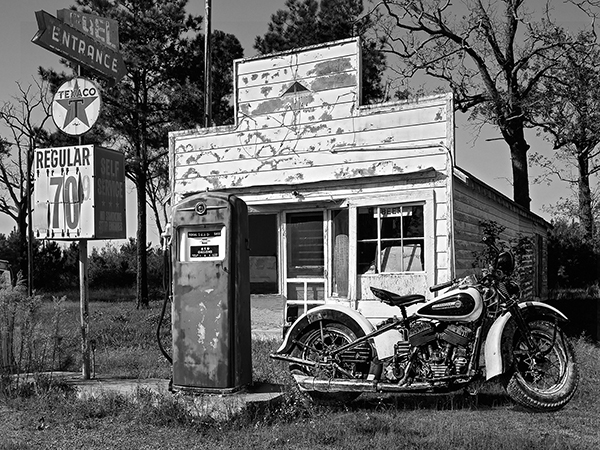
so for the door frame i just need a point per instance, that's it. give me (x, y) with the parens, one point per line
(305, 303)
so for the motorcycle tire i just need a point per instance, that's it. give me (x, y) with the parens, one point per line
(313, 345)
(544, 383)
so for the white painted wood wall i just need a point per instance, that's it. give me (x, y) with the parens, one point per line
(319, 139)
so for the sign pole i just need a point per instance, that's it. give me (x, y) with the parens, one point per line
(84, 308)
(207, 67)
(84, 302)
(75, 109)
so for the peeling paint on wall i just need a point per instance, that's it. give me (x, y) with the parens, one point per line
(333, 82)
(314, 135)
(201, 333)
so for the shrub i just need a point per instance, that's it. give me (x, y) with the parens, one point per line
(28, 340)
(572, 261)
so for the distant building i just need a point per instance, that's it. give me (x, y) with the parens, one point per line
(344, 196)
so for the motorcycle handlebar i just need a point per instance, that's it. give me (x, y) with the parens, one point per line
(440, 286)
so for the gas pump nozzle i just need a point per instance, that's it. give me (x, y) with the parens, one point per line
(166, 237)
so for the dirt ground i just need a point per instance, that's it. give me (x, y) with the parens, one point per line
(267, 314)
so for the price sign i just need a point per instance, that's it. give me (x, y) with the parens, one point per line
(79, 193)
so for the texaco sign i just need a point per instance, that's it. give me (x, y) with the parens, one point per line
(76, 106)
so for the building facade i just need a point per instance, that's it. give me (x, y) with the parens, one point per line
(343, 196)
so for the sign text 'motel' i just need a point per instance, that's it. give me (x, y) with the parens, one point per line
(70, 43)
(102, 29)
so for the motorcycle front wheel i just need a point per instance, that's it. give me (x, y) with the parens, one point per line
(317, 345)
(545, 381)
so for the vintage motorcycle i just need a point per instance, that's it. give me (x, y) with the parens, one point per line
(335, 353)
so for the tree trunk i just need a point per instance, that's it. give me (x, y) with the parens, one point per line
(520, 176)
(586, 215)
(7, 329)
(514, 135)
(142, 260)
(22, 230)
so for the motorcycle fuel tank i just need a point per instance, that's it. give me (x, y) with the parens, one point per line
(457, 305)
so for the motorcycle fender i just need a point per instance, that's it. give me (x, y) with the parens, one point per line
(333, 313)
(502, 331)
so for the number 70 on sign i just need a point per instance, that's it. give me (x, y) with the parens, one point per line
(62, 203)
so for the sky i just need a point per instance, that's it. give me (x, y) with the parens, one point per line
(486, 157)
(246, 19)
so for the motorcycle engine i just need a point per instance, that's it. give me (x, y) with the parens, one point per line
(442, 350)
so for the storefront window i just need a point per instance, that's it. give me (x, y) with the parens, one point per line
(391, 239)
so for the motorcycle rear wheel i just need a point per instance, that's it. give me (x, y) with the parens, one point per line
(546, 382)
(316, 345)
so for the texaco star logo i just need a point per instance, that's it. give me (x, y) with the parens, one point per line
(76, 106)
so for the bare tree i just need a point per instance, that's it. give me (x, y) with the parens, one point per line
(491, 54)
(158, 189)
(568, 110)
(24, 118)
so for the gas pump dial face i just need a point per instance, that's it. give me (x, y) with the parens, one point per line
(203, 244)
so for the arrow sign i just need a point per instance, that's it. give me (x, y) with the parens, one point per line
(70, 43)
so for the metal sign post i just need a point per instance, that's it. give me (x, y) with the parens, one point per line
(80, 191)
(84, 306)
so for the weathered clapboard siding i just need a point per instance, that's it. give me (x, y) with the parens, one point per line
(317, 148)
(475, 202)
(320, 133)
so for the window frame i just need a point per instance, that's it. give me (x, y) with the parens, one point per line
(379, 239)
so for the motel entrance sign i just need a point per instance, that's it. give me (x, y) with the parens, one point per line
(75, 45)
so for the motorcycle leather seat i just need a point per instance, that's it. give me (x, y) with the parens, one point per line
(392, 299)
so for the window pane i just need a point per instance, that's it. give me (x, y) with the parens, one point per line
(367, 223)
(402, 256)
(413, 222)
(391, 227)
(263, 254)
(340, 252)
(401, 240)
(305, 245)
(366, 257)
(314, 291)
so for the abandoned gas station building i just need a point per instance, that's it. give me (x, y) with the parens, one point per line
(343, 196)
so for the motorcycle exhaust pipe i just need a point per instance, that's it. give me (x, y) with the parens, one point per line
(306, 383)
(334, 385)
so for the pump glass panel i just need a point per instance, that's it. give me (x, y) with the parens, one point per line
(202, 243)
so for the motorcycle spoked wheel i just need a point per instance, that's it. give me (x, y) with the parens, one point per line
(543, 383)
(316, 345)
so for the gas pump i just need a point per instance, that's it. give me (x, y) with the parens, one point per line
(211, 294)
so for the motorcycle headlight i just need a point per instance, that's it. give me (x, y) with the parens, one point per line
(506, 263)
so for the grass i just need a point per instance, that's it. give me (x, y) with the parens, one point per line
(49, 414)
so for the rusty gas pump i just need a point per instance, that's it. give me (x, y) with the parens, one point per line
(211, 325)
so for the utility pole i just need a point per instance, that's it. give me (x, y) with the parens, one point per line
(30, 153)
(207, 64)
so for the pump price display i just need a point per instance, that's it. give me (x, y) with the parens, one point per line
(204, 251)
(203, 244)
